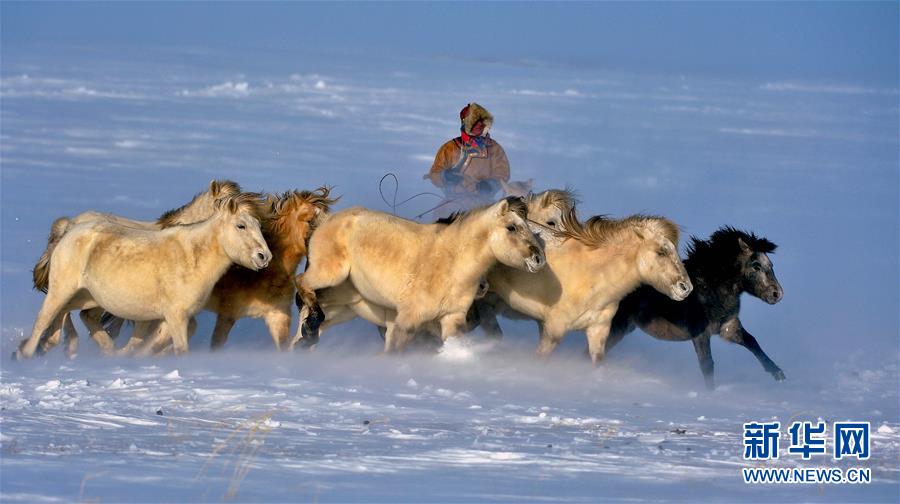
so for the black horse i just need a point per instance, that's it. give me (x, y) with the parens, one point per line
(721, 268)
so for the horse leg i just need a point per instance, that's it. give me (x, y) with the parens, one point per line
(399, 334)
(734, 331)
(279, 324)
(138, 337)
(177, 326)
(113, 325)
(550, 336)
(597, 335)
(91, 319)
(159, 340)
(318, 275)
(163, 342)
(485, 315)
(53, 335)
(704, 357)
(335, 315)
(71, 336)
(617, 331)
(452, 325)
(53, 305)
(224, 323)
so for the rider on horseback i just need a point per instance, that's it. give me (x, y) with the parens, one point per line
(472, 165)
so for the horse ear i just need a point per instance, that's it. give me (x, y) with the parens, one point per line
(744, 247)
(503, 207)
(214, 187)
(232, 205)
(638, 233)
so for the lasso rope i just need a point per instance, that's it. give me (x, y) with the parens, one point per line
(393, 204)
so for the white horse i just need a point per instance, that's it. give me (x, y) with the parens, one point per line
(139, 274)
(425, 273)
(201, 207)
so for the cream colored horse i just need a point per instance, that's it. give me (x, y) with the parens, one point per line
(594, 266)
(268, 294)
(139, 274)
(425, 273)
(545, 216)
(201, 207)
(546, 211)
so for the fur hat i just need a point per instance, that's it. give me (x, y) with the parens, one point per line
(471, 114)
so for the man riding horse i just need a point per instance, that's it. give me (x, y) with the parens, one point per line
(470, 167)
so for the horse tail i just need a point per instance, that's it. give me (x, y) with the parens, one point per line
(41, 271)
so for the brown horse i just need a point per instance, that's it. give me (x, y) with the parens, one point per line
(265, 294)
(142, 274)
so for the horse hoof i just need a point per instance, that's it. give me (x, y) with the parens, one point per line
(315, 318)
(308, 340)
(15, 356)
(779, 375)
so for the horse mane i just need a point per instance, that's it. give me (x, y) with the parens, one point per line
(450, 219)
(284, 204)
(564, 199)
(217, 189)
(516, 205)
(600, 229)
(252, 202)
(319, 198)
(717, 256)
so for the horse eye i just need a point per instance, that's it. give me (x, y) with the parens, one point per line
(661, 252)
(551, 223)
(757, 267)
(241, 226)
(511, 228)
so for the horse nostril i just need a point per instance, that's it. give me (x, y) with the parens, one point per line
(261, 256)
(776, 295)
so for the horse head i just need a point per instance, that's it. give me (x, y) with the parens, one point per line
(546, 210)
(202, 206)
(757, 272)
(240, 232)
(510, 238)
(658, 262)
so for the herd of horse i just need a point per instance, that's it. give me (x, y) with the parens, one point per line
(236, 253)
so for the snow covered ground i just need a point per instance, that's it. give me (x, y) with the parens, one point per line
(466, 425)
(811, 163)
